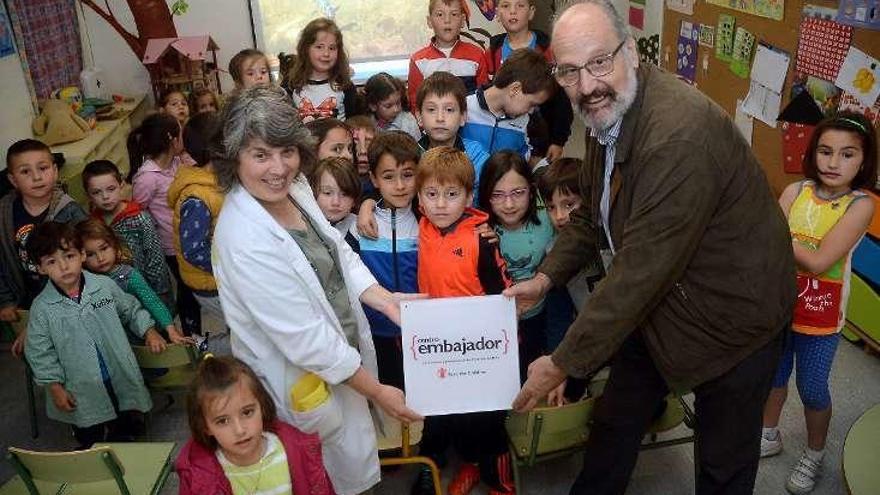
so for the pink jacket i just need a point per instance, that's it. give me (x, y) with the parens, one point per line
(200, 472)
(150, 188)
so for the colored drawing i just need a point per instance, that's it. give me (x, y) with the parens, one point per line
(637, 17)
(707, 35)
(764, 8)
(860, 76)
(649, 49)
(850, 103)
(724, 37)
(743, 44)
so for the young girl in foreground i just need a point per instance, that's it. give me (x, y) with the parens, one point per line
(238, 445)
(827, 215)
(525, 234)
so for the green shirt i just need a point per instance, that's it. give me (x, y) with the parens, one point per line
(324, 260)
(130, 280)
(269, 476)
(62, 344)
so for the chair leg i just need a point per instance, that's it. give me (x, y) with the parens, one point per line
(514, 466)
(32, 400)
(417, 459)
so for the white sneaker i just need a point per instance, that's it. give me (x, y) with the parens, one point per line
(803, 476)
(770, 448)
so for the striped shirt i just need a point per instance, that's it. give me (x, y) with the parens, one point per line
(608, 139)
(270, 476)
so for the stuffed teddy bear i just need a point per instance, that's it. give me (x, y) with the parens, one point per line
(59, 124)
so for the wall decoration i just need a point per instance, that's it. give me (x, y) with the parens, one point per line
(686, 52)
(487, 8)
(795, 139)
(649, 49)
(770, 67)
(707, 35)
(860, 13)
(762, 104)
(743, 45)
(860, 76)
(7, 38)
(744, 122)
(822, 47)
(824, 93)
(850, 103)
(683, 6)
(724, 37)
(636, 16)
(773, 9)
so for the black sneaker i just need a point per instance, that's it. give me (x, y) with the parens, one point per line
(424, 484)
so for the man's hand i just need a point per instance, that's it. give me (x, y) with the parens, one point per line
(528, 292)
(63, 400)
(556, 397)
(154, 341)
(544, 376)
(17, 348)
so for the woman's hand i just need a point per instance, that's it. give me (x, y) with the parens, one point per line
(387, 303)
(392, 401)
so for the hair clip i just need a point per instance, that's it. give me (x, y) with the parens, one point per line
(854, 123)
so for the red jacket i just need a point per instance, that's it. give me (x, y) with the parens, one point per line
(200, 472)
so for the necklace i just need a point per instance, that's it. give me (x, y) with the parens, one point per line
(256, 487)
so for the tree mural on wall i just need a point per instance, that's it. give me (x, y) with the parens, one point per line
(153, 19)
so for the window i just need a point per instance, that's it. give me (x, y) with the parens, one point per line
(379, 35)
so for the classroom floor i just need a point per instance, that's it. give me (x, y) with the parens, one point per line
(855, 388)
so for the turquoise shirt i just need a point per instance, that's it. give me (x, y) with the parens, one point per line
(524, 249)
(63, 339)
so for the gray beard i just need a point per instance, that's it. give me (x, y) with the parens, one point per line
(620, 104)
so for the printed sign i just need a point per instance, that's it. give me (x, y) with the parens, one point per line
(460, 354)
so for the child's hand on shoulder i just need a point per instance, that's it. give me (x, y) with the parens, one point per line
(62, 398)
(176, 337)
(487, 233)
(154, 341)
(366, 221)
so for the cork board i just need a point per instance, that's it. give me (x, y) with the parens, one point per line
(724, 87)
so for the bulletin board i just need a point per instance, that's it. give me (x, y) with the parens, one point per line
(724, 87)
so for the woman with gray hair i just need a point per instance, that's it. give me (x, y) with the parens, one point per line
(292, 289)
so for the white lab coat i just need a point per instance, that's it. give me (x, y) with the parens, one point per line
(283, 326)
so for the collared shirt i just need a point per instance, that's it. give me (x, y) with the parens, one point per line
(607, 138)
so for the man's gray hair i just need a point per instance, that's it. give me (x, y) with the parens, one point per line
(620, 27)
(264, 113)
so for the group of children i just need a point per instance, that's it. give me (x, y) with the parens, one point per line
(453, 199)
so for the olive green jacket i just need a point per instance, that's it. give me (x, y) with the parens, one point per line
(61, 347)
(703, 266)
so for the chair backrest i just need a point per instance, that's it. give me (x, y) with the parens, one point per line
(82, 466)
(173, 355)
(544, 430)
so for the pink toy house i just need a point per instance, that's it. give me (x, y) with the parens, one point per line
(182, 64)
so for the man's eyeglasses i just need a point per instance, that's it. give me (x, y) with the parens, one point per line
(568, 75)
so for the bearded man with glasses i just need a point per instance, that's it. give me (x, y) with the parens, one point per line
(700, 276)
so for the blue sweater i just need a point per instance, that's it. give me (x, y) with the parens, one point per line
(393, 259)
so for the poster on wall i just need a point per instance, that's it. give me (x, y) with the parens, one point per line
(460, 354)
(763, 8)
(822, 46)
(860, 76)
(686, 52)
(859, 13)
(683, 6)
(7, 43)
(707, 35)
(850, 103)
(724, 37)
(743, 44)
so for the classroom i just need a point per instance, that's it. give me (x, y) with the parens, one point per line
(440, 246)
